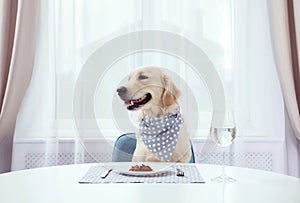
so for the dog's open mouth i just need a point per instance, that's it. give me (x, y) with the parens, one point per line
(136, 103)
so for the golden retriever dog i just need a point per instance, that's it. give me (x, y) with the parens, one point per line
(162, 134)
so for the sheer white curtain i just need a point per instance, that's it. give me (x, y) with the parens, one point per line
(233, 34)
(69, 31)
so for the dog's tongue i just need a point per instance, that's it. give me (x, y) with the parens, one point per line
(134, 101)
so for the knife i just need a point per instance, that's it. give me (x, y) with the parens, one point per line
(105, 173)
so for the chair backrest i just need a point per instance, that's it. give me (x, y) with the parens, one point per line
(125, 146)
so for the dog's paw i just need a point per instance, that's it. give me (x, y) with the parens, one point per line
(152, 158)
(139, 158)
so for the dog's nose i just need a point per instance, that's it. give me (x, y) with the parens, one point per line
(122, 91)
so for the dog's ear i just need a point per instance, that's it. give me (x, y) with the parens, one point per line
(170, 92)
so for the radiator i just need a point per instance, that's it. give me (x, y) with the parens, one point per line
(262, 161)
(255, 160)
(35, 160)
(268, 156)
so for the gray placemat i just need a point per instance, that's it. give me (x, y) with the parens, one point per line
(191, 175)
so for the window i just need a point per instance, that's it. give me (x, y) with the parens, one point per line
(234, 35)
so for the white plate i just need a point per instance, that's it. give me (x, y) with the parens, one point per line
(157, 168)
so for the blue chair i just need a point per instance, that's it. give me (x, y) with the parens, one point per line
(125, 146)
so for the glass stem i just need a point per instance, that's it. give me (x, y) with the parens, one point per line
(223, 162)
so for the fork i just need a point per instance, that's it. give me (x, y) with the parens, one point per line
(179, 172)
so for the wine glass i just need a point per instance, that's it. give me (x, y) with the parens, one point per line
(223, 132)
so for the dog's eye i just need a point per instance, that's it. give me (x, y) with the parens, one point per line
(143, 77)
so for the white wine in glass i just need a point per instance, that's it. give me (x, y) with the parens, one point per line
(223, 132)
(223, 136)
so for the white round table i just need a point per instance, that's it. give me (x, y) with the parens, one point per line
(60, 184)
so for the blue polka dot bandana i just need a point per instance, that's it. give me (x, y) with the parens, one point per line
(160, 134)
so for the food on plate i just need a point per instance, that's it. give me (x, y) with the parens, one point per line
(142, 167)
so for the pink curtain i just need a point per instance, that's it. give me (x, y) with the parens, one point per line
(285, 26)
(18, 19)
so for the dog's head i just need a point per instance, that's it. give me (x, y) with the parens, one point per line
(148, 87)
